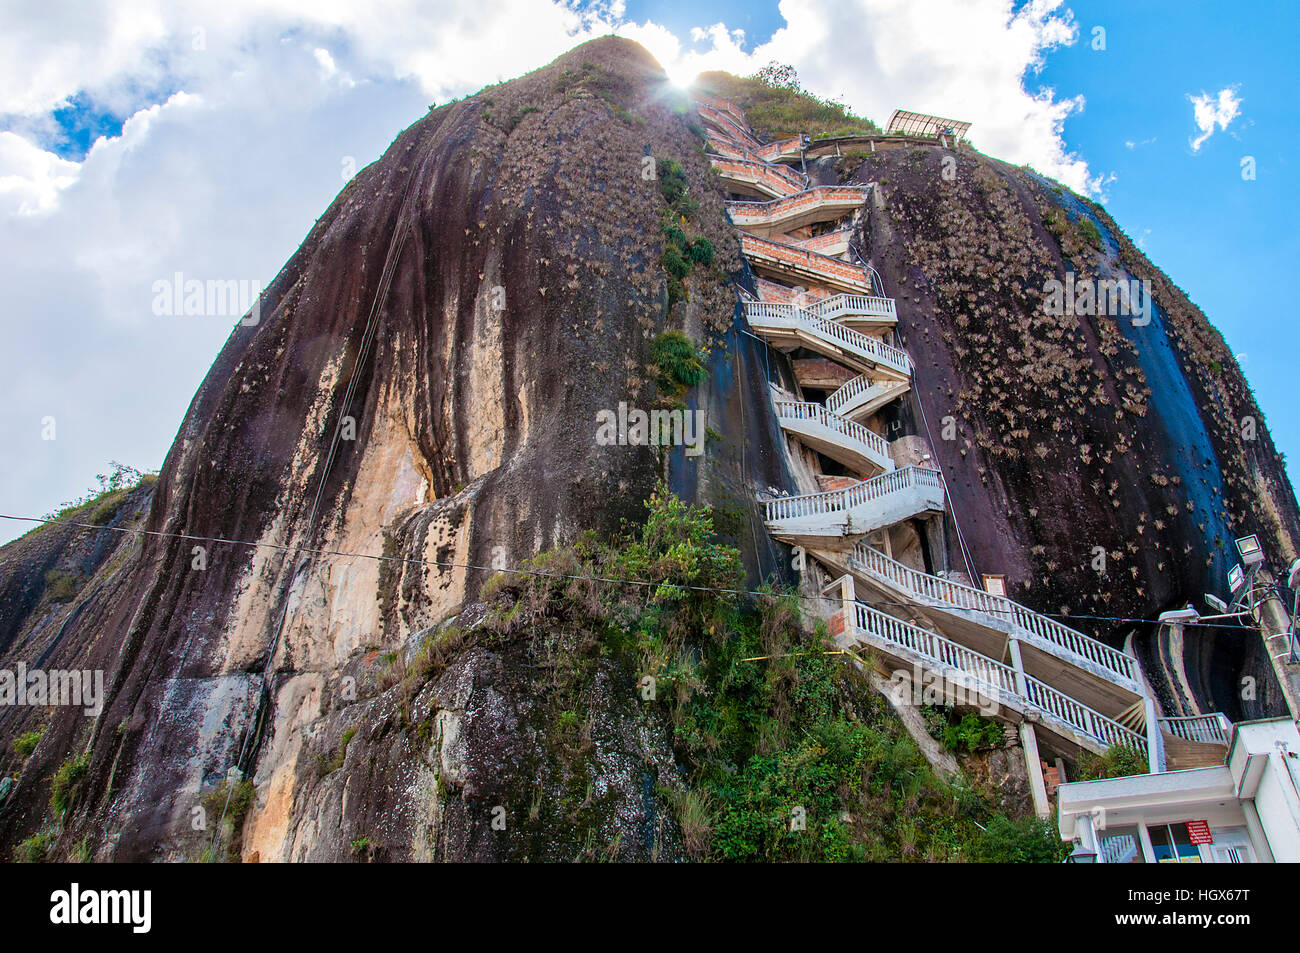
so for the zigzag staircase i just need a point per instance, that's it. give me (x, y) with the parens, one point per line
(815, 297)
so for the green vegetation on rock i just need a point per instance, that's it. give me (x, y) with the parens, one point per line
(66, 782)
(26, 743)
(784, 750)
(777, 106)
(1117, 761)
(680, 363)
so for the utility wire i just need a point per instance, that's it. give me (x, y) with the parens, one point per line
(522, 571)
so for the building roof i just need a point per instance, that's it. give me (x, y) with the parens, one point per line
(906, 123)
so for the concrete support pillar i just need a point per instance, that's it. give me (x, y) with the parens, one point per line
(1037, 787)
(1155, 741)
(1258, 839)
(1144, 840)
(1029, 740)
(845, 590)
(1018, 663)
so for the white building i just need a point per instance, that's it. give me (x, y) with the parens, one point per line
(1244, 811)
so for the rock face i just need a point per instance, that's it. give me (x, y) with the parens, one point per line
(458, 317)
(1103, 462)
(417, 405)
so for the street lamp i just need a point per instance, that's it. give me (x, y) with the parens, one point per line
(1236, 577)
(1187, 616)
(1252, 554)
(1081, 854)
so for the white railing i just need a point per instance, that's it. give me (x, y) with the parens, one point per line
(1119, 848)
(1106, 731)
(850, 430)
(847, 392)
(839, 501)
(943, 592)
(788, 315)
(1214, 728)
(995, 679)
(841, 305)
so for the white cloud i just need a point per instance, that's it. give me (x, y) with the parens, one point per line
(243, 114)
(1210, 111)
(31, 178)
(971, 60)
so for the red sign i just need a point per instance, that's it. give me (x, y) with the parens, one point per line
(1199, 832)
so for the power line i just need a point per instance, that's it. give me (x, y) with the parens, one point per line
(522, 571)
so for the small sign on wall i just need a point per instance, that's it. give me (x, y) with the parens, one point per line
(1199, 832)
(995, 584)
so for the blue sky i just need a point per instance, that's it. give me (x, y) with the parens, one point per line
(139, 138)
(1230, 243)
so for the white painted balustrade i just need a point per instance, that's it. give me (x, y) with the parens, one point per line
(993, 679)
(839, 501)
(1214, 728)
(1079, 716)
(946, 592)
(845, 305)
(872, 442)
(781, 314)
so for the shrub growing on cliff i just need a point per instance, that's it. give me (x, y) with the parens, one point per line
(61, 586)
(777, 106)
(1030, 841)
(701, 251)
(26, 743)
(679, 361)
(35, 849)
(66, 782)
(1118, 761)
(966, 733)
(1089, 232)
(763, 713)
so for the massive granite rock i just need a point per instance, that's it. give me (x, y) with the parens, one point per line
(417, 403)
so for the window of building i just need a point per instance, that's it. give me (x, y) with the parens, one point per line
(1121, 845)
(1171, 844)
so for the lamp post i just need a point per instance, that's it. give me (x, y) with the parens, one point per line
(1081, 854)
(1255, 593)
